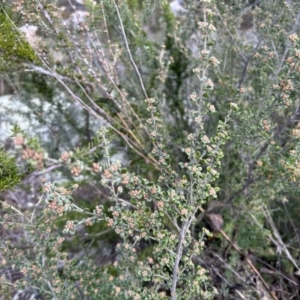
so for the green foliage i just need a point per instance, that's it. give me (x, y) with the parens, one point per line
(14, 48)
(9, 172)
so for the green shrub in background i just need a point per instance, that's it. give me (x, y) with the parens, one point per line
(9, 172)
(198, 113)
(14, 48)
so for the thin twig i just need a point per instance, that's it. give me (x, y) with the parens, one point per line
(129, 52)
(249, 262)
(287, 48)
(278, 242)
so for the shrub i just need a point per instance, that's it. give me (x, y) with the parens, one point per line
(182, 122)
